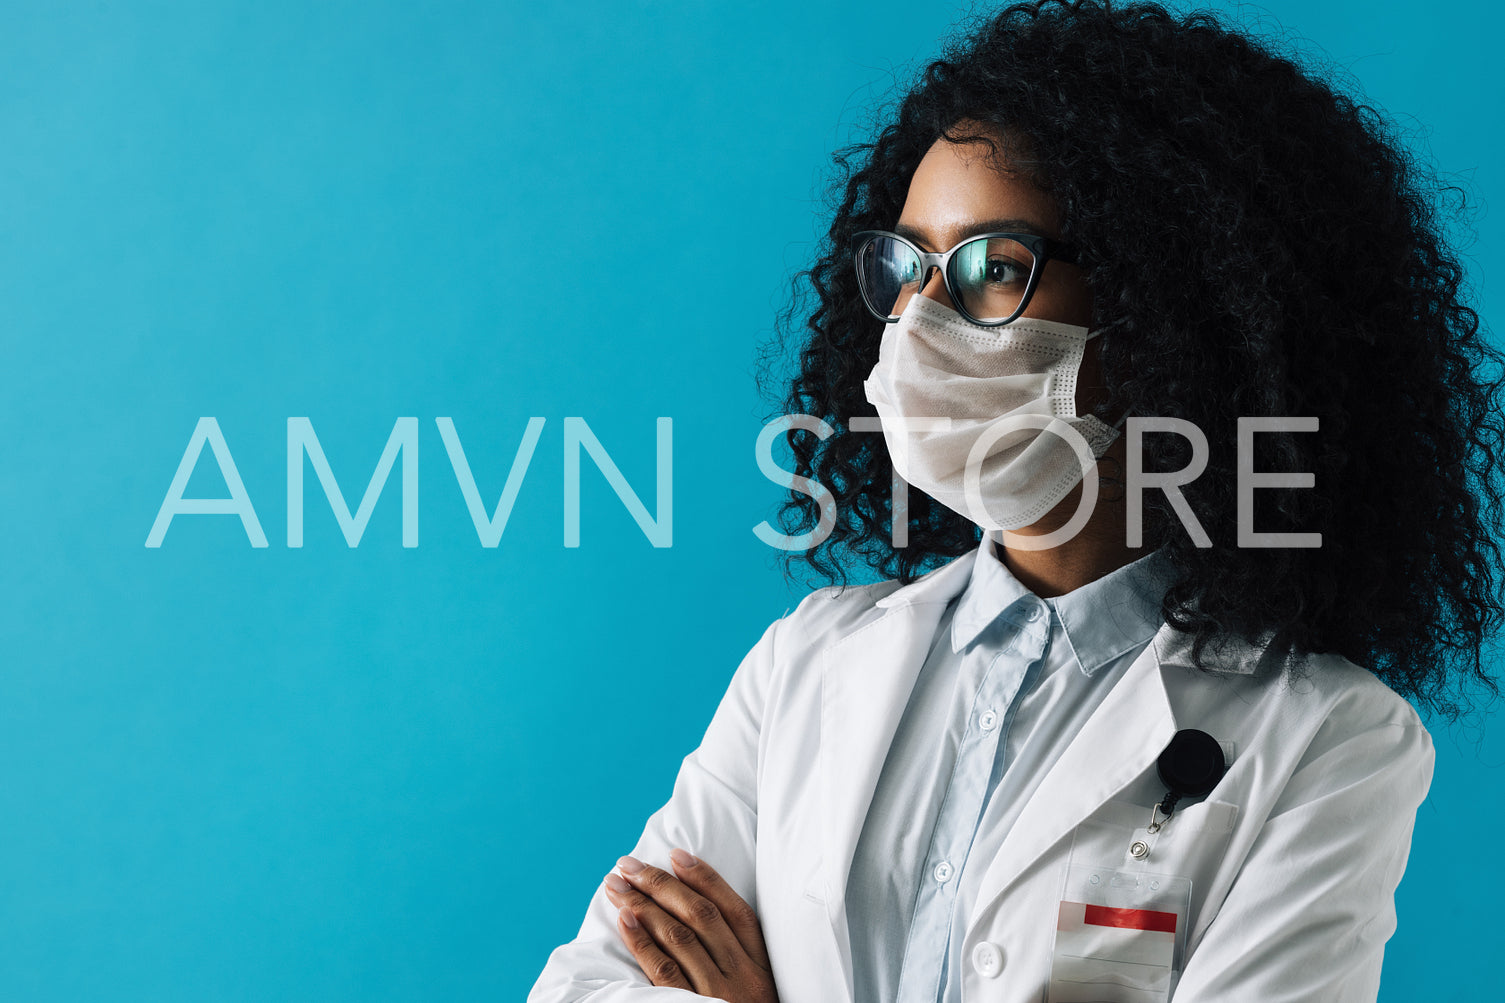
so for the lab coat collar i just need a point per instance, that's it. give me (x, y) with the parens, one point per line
(938, 586)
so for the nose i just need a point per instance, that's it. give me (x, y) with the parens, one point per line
(934, 286)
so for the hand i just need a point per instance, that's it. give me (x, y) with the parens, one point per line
(691, 931)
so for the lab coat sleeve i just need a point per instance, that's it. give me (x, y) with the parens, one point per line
(712, 812)
(1310, 911)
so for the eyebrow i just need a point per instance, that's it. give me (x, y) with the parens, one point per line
(978, 226)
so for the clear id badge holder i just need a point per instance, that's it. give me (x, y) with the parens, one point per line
(1121, 923)
(1120, 927)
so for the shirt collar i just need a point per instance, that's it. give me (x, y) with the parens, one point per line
(1101, 620)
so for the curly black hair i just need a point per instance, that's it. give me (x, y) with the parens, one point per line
(1256, 243)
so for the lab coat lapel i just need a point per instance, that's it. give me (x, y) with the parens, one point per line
(866, 681)
(1122, 738)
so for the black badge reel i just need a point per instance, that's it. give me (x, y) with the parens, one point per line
(1190, 767)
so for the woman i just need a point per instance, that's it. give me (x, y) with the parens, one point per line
(1157, 744)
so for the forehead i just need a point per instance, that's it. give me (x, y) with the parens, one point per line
(956, 185)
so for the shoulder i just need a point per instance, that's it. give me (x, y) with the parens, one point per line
(1342, 695)
(1353, 691)
(1353, 715)
(1314, 723)
(1311, 686)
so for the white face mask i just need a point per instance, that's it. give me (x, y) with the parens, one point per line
(933, 363)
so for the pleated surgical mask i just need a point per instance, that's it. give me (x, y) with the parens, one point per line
(1009, 393)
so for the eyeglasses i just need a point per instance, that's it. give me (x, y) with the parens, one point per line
(989, 277)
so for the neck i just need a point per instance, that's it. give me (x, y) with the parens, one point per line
(1089, 555)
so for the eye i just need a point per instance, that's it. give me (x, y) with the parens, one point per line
(993, 262)
(990, 275)
(1002, 270)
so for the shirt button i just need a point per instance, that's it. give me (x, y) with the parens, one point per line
(987, 959)
(1033, 613)
(988, 721)
(943, 872)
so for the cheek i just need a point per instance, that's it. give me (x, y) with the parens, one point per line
(1062, 296)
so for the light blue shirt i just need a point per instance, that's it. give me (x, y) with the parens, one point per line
(1009, 681)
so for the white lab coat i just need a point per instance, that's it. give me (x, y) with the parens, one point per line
(1293, 858)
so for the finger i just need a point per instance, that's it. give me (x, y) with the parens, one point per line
(690, 908)
(735, 911)
(660, 969)
(674, 938)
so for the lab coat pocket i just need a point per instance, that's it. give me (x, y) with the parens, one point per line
(1128, 900)
(1120, 933)
(1119, 937)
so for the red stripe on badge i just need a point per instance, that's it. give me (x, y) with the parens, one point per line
(1133, 919)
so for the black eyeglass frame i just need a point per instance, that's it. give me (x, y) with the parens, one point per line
(1043, 249)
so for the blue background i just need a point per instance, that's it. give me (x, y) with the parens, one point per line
(381, 773)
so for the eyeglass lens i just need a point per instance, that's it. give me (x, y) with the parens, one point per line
(988, 275)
